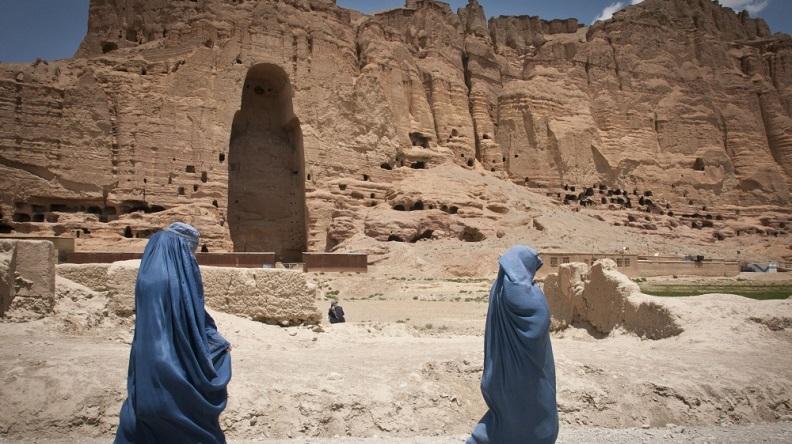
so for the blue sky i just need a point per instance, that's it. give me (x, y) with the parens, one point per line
(53, 29)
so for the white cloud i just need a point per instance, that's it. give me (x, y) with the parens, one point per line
(608, 12)
(752, 6)
(611, 9)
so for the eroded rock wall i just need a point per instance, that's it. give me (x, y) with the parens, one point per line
(682, 97)
(603, 299)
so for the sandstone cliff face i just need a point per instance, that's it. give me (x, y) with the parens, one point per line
(307, 123)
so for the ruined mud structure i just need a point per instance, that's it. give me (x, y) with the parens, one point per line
(273, 125)
(602, 299)
(30, 281)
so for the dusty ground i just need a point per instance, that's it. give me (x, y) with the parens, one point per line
(408, 365)
(761, 433)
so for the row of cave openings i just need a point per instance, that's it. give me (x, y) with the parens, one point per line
(607, 195)
(618, 196)
(42, 211)
(50, 211)
(418, 139)
(418, 205)
(416, 165)
(468, 234)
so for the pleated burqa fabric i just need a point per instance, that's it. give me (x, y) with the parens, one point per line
(179, 365)
(519, 373)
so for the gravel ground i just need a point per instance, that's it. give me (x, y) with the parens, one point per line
(757, 433)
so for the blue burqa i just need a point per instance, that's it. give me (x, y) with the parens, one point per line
(519, 373)
(179, 365)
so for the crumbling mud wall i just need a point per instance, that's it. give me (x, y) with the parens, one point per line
(273, 296)
(603, 299)
(93, 276)
(27, 278)
(7, 267)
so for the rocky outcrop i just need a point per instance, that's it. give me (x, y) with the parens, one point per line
(603, 299)
(246, 118)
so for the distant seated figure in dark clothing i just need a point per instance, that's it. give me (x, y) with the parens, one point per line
(336, 313)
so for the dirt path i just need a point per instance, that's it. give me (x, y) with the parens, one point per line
(756, 433)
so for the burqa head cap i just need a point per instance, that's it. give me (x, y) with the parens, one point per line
(186, 232)
(520, 263)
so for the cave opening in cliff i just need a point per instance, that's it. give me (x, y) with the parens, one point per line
(266, 210)
(418, 139)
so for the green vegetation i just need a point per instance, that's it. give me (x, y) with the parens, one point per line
(757, 291)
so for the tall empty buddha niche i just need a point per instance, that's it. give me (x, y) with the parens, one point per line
(266, 191)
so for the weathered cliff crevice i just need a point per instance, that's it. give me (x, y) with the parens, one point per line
(778, 128)
(469, 85)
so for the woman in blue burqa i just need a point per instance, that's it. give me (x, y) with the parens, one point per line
(519, 373)
(179, 365)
